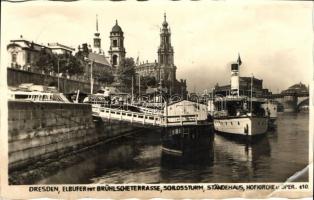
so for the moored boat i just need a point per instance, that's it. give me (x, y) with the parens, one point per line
(238, 114)
(235, 117)
(36, 93)
(188, 129)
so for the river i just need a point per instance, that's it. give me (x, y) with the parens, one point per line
(138, 159)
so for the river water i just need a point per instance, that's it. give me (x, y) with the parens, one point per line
(138, 159)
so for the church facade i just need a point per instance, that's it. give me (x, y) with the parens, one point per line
(164, 70)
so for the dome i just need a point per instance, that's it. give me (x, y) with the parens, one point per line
(116, 28)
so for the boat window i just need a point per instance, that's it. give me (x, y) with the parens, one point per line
(238, 123)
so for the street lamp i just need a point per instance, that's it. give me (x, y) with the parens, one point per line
(91, 74)
(58, 76)
(58, 63)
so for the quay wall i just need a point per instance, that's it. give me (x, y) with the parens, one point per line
(16, 77)
(39, 131)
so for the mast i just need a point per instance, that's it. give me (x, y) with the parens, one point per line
(139, 87)
(132, 92)
(251, 94)
(91, 78)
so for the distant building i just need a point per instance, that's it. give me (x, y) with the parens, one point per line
(298, 88)
(100, 64)
(244, 87)
(94, 55)
(164, 70)
(149, 69)
(58, 48)
(23, 53)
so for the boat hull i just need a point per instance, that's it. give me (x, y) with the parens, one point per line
(186, 140)
(242, 126)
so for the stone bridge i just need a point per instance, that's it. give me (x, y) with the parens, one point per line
(294, 99)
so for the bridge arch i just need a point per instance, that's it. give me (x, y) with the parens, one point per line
(303, 104)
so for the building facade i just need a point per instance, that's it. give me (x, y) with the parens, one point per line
(246, 84)
(23, 54)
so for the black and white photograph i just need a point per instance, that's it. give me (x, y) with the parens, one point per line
(169, 96)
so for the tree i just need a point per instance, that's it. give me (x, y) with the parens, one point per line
(66, 63)
(45, 61)
(126, 71)
(105, 77)
(149, 81)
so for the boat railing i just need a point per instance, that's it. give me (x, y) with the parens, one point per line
(34, 96)
(145, 118)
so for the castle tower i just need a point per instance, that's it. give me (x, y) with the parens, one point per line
(117, 50)
(97, 40)
(165, 54)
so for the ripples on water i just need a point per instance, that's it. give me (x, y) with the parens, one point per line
(139, 159)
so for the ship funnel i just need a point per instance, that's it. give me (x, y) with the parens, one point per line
(235, 79)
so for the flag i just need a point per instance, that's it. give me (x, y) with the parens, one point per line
(239, 60)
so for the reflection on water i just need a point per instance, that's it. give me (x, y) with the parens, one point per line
(139, 159)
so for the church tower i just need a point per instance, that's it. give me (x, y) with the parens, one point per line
(165, 54)
(117, 50)
(97, 40)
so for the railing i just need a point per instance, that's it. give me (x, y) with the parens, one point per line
(144, 118)
(79, 78)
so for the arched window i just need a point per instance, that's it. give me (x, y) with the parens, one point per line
(13, 57)
(115, 43)
(114, 59)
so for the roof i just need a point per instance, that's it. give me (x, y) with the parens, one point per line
(116, 28)
(184, 102)
(98, 58)
(26, 44)
(60, 46)
(147, 65)
(248, 79)
(296, 88)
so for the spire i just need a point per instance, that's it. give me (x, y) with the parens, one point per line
(165, 23)
(239, 61)
(116, 22)
(96, 22)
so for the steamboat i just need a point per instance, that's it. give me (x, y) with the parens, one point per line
(237, 114)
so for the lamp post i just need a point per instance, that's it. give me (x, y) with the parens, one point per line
(132, 92)
(91, 77)
(251, 94)
(91, 74)
(58, 63)
(58, 75)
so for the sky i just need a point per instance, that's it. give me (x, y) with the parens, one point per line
(274, 38)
